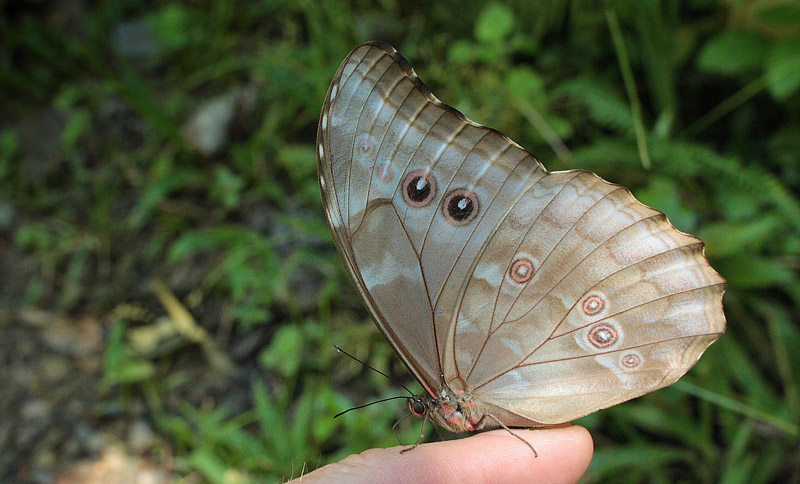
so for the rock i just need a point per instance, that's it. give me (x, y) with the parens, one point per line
(134, 40)
(207, 129)
(72, 337)
(140, 437)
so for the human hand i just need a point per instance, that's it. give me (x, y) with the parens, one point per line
(490, 457)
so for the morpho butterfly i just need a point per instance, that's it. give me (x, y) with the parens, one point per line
(517, 297)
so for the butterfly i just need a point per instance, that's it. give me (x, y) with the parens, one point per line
(516, 296)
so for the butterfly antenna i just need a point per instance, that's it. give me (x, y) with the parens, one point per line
(377, 371)
(371, 403)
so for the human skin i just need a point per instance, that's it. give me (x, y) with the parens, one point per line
(489, 457)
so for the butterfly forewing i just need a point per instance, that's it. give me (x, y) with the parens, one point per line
(544, 296)
(380, 130)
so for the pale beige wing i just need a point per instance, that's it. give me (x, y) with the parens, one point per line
(409, 186)
(546, 295)
(582, 298)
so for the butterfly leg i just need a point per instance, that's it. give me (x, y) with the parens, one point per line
(419, 439)
(501, 424)
(394, 429)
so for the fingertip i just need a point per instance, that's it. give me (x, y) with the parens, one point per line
(564, 453)
(495, 456)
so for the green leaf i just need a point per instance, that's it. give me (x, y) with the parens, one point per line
(284, 352)
(726, 238)
(121, 366)
(227, 188)
(782, 14)
(602, 103)
(607, 461)
(747, 272)
(461, 51)
(662, 194)
(525, 83)
(494, 23)
(783, 68)
(209, 465)
(172, 25)
(300, 161)
(272, 421)
(733, 52)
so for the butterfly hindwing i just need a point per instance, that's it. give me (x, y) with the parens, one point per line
(613, 298)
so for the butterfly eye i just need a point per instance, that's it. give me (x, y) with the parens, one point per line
(419, 188)
(417, 407)
(460, 207)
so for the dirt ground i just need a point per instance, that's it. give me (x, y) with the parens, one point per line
(54, 425)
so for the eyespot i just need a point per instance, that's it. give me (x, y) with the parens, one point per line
(631, 360)
(417, 406)
(603, 336)
(460, 207)
(385, 172)
(593, 305)
(521, 270)
(365, 147)
(419, 188)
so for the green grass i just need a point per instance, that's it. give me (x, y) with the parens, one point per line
(693, 105)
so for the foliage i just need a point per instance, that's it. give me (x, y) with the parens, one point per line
(692, 104)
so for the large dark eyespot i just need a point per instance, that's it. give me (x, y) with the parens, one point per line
(419, 188)
(417, 406)
(460, 207)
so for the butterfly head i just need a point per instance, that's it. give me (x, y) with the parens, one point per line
(418, 406)
(454, 411)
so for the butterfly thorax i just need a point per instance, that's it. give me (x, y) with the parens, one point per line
(454, 411)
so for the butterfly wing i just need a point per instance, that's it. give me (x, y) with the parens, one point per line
(380, 130)
(615, 303)
(530, 290)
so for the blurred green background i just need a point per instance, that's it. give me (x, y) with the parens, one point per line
(169, 287)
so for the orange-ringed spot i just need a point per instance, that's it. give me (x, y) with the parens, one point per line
(593, 305)
(365, 146)
(631, 360)
(603, 335)
(460, 207)
(521, 270)
(385, 172)
(419, 188)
